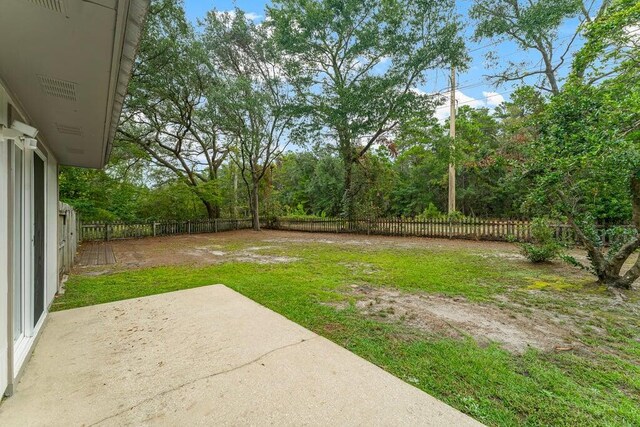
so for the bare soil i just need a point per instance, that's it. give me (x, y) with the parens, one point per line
(195, 249)
(455, 317)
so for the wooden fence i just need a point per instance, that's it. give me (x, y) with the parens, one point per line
(467, 228)
(122, 230)
(67, 239)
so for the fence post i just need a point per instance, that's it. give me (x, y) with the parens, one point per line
(215, 225)
(189, 227)
(106, 232)
(154, 229)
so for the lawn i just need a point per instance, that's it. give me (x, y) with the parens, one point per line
(454, 320)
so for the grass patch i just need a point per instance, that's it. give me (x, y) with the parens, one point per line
(489, 383)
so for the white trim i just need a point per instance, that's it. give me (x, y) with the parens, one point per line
(25, 344)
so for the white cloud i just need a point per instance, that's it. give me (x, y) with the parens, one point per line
(493, 99)
(442, 112)
(251, 16)
(633, 32)
(490, 100)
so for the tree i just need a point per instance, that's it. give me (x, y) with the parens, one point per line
(587, 161)
(356, 65)
(98, 196)
(421, 167)
(309, 179)
(533, 26)
(481, 165)
(166, 120)
(250, 97)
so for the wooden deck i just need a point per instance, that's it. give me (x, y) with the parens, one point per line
(96, 253)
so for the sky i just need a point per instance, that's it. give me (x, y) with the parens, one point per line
(474, 89)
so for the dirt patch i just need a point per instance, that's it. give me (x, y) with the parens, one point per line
(504, 255)
(198, 250)
(456, 318)
(245, 256)
(360, 267)
(206, 249)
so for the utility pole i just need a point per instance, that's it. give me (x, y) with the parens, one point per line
(452, 135)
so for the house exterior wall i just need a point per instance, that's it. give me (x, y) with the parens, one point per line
(13, 359)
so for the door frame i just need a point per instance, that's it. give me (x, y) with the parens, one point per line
(20, 349)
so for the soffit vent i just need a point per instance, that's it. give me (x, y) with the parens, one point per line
(53, 5)
(58, 88)
(69, 130)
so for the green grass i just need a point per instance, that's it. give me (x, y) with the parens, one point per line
(488, 383)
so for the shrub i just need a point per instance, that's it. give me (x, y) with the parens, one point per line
(456, 216)
(430, 212)
(544, 247)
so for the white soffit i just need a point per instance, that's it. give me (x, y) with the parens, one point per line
(66, 65)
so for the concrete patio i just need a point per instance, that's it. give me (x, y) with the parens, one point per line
(205, 356)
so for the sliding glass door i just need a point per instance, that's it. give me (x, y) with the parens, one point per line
(27, 247)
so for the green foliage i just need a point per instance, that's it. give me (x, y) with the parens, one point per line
(367, 57)
(455, 216)
(299, 213)
(430, 212)
(98, 196)
(166, 123)
(586, 163)
(544, 247)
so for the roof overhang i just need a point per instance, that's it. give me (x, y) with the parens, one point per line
(66, 64)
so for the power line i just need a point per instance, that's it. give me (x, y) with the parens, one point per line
(477, 83)
(493, 95)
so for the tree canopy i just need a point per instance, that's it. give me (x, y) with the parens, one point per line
(356, 66)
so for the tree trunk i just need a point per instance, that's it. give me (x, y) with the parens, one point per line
(213, 211)
(618, 282)
(348, 197)
(607, 270)
(348, 202)
(235, 194)
(607, 267)
(254, 202)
